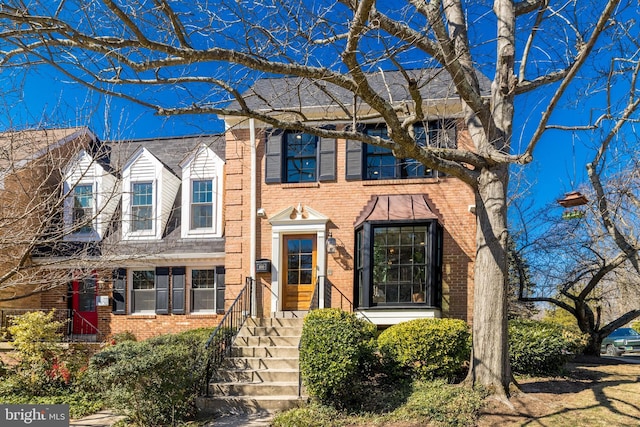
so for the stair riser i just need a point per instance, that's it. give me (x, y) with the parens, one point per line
(270, 331)
(271, 321)
(266, 376)
(260, 363)
(266, 341)
(265, 389)
(214, 405)
(265, 352)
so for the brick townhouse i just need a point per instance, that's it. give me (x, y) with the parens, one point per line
(142, 241)
(367, 231)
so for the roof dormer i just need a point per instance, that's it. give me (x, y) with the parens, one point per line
(91, 196)
(149, 190)
(202, 173)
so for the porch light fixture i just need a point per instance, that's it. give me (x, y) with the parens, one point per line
(331, 244)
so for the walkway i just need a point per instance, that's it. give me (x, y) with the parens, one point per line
(108, 419)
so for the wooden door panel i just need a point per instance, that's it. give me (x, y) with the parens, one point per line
(299, 271)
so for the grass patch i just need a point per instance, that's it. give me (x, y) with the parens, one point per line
(429, 402)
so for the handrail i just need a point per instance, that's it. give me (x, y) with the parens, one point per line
(85, 325)
(67, 316)
(219, 343)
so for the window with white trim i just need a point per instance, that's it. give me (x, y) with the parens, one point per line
(83, 203)
(203, 290)
(141, 206)
(144, 293)
(201, 204)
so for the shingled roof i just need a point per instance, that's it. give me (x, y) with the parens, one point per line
(294, 93)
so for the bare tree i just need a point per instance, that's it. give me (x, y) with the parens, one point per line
(196, 57)
(587, 264)
(32, 165)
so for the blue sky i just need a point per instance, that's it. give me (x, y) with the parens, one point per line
(50, 101)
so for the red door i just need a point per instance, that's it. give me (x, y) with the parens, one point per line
(83, 303)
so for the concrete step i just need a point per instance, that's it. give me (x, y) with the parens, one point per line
(248, 404)
(262, 372)
(274, 341)
(299, 314)
(254, 389)
(282, 351)
(260, 363)
(270, 331)
(273, 321)
(258, 375)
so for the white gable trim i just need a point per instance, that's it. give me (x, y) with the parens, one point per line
(83, 169)
(144, 167)
(203, 164)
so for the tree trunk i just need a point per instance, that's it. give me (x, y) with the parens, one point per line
(490, 361)
(593, 345)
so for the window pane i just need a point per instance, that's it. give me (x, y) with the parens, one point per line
(301, 151)
(83, 208)
(144, 295)
(87, 300)
(144, 279)
(399, 264)
(142, 206)
(203, 279)
(202, 204)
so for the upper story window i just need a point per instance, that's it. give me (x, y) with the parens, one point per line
(83, 208)
(91, 198)
(371, 162)
(302, 152)
(141, 206)
(202, 181)
(201, 204)
(295, 157)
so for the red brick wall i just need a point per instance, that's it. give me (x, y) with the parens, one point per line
(342, 201)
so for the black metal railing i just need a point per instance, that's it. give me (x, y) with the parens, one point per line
(219, 343)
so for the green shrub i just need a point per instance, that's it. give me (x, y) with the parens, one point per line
(122, 337)
(153, 382)
(541, 348)
(636, 325)
(427, 348)
(37, 341)
(336, 352)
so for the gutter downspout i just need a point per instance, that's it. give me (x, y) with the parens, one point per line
(253, 217)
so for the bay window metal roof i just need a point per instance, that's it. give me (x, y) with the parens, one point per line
(397, 207)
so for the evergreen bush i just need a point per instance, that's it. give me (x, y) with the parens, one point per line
(427, 348)
(336, 354)
(153, 382)
(541, 348)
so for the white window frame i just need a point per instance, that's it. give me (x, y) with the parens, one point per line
(92, 223)
(130, 291)
(211, 171)
(190, 271)
(151, 219)
(192, 204)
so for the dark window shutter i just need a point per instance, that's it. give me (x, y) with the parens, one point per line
(118, 300)
(178, 290)
(354, 160)
(162, 290)
(327, 156)
(273, 157)
(220, 272)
